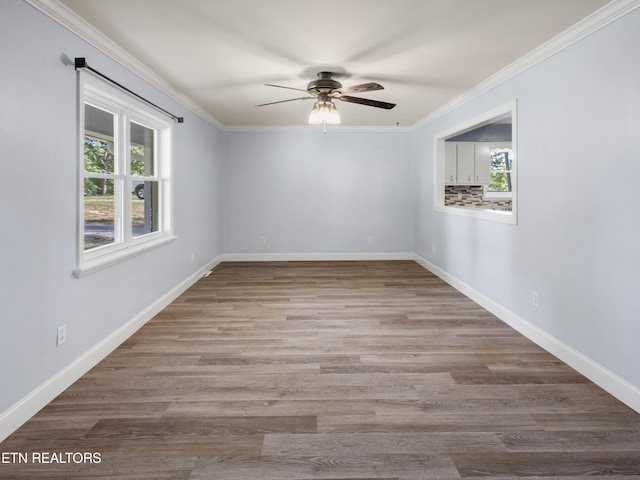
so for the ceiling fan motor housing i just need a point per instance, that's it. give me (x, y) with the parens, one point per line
(325, 84)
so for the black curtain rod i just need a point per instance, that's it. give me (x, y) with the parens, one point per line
(81, 62)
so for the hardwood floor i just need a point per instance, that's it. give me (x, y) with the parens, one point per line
(321, 370)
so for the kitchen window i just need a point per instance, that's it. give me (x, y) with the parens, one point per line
(501, 169)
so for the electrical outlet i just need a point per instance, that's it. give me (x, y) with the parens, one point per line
(263, 240)
(62, 335)
(193, 256)
(433, 248)
(459, 196)
(370, 240)
(535, 299)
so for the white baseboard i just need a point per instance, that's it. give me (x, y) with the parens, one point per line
(618, 387)
(16, 415)
(310, 257)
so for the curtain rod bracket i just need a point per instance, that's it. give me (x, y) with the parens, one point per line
(81, 62)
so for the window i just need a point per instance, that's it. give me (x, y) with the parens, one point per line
(476, 167)
(124, 176)
(501, 185)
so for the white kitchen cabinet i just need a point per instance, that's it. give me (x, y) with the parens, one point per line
(466, 159)
(450, 161)
(467, 163)
(482, 163)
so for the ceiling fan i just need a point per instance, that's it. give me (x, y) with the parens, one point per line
(325, 90)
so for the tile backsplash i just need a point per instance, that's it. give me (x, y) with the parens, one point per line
(471, 196)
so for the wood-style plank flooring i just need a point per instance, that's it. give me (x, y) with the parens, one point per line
(329, 370)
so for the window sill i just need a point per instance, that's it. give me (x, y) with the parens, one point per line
(500, 216)
(497, 198)
(105, 261)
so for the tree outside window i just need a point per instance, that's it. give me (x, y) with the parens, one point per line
(501, 166)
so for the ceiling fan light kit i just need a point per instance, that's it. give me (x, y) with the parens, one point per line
(325, 90)
(324, 112)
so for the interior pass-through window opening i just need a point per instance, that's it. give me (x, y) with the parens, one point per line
(475, 167)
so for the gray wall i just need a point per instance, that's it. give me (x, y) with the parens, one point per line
(315, 193)
(38, 208)
(579, 215)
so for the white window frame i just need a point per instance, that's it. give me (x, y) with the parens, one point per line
(510, 217)
(126, 109)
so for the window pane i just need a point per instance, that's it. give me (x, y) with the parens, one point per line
(98, 140)
(500, 171)
(499, 183)
(142, 150)
(144, 208)
(99, 213)
(498, 161)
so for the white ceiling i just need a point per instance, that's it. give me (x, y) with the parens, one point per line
(425, 53)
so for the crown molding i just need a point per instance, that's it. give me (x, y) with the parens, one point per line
(74, 23)
(594, 22)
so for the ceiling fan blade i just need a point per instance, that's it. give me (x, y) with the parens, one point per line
(363, 87)
(366, 101)
(283, 101)
(288, 88)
